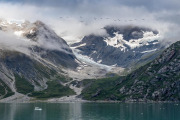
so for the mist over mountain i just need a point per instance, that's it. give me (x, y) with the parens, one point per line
(156, 81)
(123, 46)
(31, 55)
(65, 50)
(34, 56)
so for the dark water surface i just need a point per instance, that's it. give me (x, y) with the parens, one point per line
(90, 111)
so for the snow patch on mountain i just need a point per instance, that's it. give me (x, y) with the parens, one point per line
(119, 42)
(18, 33)
(72, 39)
(35, 32)
(84, 44)
(88, 60)
(90, 69)
(147, 51)
(17, 22)
(8, 22)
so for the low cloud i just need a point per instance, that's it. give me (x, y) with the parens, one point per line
(76, 18)
(9, 41)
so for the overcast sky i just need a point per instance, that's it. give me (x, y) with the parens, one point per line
(151, 5)
(75, 18)
(73, 4)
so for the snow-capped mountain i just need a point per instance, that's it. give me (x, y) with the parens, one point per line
(36, 62)
(43, 41)
(122, 46)
(32, 56)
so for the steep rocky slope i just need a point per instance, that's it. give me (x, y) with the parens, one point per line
(158, 80)
(123, 45)
(33, 69)
(47, 44)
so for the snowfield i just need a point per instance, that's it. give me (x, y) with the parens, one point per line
(119, 42)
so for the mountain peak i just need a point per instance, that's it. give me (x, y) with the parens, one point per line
(39, 23)
(123, 45)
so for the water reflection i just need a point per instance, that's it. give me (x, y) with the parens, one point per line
(75, 111)
(93, 111)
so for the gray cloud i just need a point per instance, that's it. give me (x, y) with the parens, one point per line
(8, 41)
(73, 4)
(162, 15)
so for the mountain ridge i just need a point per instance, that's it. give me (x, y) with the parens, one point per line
(156, 81)
(22, 73)
(123, 46)
(50, 68)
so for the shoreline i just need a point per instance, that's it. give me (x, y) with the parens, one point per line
(87, 101)
(20, 98)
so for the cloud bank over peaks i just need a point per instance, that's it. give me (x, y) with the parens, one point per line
(74, 19)
(8, 41)
(21, 35)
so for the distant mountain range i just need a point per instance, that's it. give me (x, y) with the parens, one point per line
(36, 63)
(123, 45)
(26, 72)
(156, 81)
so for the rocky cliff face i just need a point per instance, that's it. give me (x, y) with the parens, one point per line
(157, 81)
(46, 43)
(36, 65)
(122, 46)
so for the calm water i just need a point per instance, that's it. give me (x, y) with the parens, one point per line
(90, 111)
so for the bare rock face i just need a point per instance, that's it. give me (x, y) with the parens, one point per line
(123, 45)
(163, 83)
(158, 80)
(47, 44)
(25, 73)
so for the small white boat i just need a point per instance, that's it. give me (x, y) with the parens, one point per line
(37, 108)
